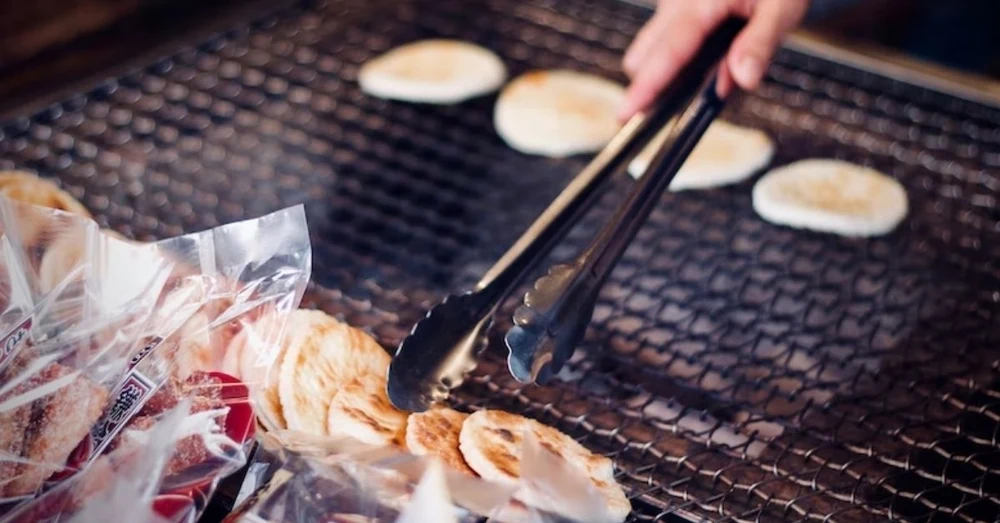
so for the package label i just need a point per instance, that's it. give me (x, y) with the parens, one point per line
(15, 340)
(129, 397)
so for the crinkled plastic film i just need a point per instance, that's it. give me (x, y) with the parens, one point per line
(67, 336)
(123, 484)
(266, 263)
(302, 478)
(152, 347)
(240, 277)
(363, 484)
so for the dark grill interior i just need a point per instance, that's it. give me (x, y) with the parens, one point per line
(735, 370)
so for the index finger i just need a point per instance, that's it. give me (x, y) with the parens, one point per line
(681, 32)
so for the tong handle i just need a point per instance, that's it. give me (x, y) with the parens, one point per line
(582, 192)
(556, 311)
(566, 209)
(616, 235)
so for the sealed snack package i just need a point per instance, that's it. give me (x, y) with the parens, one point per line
(309, 478)
(66, 342)
(244, 276)
(234, 278)
(121, 333)
(126, 481)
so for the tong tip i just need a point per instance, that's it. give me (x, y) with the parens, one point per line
(437, 354)
(543, 335)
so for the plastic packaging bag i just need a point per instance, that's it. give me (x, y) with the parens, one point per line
(300, 478)
(152, 347)
(355, 483)
(127, 481)
(550, 482)
(234, 278)
(242, 276)
(67, 340)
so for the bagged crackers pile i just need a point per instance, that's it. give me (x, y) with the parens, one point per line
(298, 478)
(118, 387)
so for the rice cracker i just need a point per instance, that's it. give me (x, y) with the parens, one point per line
(322, 357)
(491, 442)
(29, 188)
(726, 154)
(558, 113)
(245, 360)
(831, 196)
(362, 410)
(435, 433)
(433, 71)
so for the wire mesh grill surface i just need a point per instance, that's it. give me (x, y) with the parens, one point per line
(735, 370)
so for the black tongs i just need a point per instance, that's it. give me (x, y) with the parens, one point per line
(442, 348)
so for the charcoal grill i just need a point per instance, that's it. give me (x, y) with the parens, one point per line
(734, 370)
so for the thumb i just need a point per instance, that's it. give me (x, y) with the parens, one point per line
(753, 49)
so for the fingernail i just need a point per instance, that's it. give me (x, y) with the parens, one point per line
(748, 71)
(628, 63)
(723, 86)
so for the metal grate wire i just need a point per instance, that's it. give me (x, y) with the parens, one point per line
(735, 370)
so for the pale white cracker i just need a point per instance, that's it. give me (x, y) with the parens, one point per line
(725, 155)
(831, 196)
(558, 113)
(433, 71)
(322, 356)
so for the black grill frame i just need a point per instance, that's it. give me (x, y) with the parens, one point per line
(875, 357)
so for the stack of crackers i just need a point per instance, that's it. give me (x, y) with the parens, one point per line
(330, 380)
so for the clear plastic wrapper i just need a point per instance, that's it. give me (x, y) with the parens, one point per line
(126, 483)
(299, 478)
(342, 480)
(171, 339)
(234, 280)
(66, 340)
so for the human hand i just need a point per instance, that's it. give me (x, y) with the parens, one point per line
(678, 28)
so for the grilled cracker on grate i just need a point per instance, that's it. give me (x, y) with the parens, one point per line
(28, 188)
(558, 113)
(726, 154)
(435, 433)
(313, 368)
(433, 71)
(361, 409)
(831, 196)
(491, 442)
(322, 357)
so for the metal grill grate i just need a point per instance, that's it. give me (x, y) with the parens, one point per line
(735, 370)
